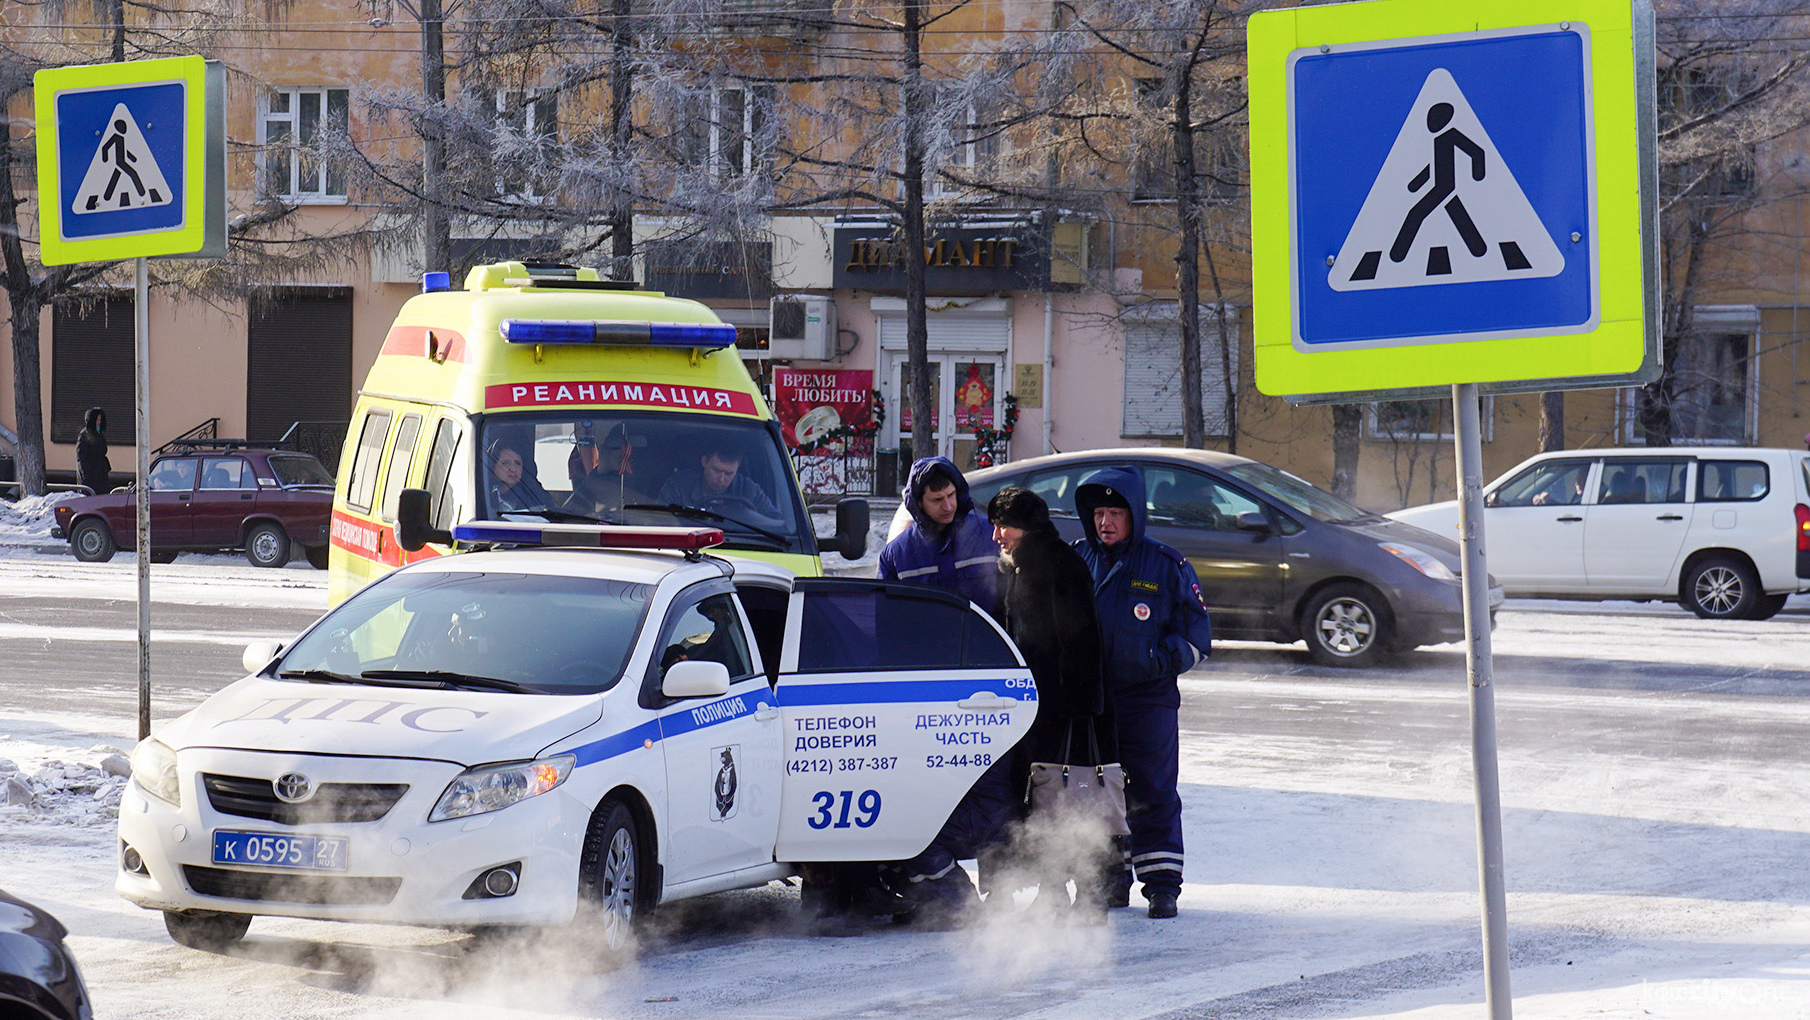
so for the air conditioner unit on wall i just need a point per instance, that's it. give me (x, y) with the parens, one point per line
(803, 328)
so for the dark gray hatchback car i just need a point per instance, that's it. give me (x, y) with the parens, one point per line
(1278, 559)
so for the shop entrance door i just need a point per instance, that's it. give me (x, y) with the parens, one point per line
(964, 396)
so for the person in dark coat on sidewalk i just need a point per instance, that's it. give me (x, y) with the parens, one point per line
(91, 466)
(1046, 604)
(1153, 627)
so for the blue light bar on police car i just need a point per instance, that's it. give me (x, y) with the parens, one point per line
(657, 334)
(587, 536)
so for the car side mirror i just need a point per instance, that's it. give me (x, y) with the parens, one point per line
(413, 527)
(695, 679)
(259, 653)
(1489, 499)
(1254, 521)
(852, 520)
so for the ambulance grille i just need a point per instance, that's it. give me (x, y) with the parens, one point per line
(331, 803)
(258, 885)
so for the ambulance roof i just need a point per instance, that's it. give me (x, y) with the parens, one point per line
(448, 346)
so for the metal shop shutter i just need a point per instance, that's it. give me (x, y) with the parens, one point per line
(1153, 377)
(299, 359)
(91, 366)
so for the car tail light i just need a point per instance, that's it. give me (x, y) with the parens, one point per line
(1803, 527)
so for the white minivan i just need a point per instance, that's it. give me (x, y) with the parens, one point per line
(1723, 530)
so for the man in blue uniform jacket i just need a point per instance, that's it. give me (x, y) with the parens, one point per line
(1153, 627)
(948, 544)
(951, 546)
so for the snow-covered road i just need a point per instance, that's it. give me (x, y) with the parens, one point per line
(1657, 839)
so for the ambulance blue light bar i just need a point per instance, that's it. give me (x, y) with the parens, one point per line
(657, 334)
(587, 536)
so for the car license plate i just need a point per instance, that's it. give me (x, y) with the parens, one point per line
(311, 853)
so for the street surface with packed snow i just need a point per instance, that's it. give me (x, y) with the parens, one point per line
(1656, 815)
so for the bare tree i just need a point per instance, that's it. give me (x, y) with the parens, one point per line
(1729, 81)
(1173, 116)
(38, 38)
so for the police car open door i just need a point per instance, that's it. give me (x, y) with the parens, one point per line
(894, 698)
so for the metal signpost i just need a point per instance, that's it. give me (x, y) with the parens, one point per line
(1455, 198)
(132, 164)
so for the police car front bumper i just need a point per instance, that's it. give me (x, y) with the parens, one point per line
(399, 868)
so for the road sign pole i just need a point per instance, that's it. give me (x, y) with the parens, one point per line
(1465, 411)
(141, 356)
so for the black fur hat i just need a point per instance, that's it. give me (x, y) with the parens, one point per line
(1013, 507)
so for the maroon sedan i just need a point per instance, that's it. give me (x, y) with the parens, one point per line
(263, 501)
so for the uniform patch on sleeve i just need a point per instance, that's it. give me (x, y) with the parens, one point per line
(1198, 597)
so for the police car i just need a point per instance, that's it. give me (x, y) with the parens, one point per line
(530, 730)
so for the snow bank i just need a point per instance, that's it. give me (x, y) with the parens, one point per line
(49, 786)
(25, 525)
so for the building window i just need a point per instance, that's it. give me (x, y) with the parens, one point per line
(725, 131)
(969, 146)
(526, 127)
(1409, 421)
(291, 124)
(1153, 377)
(1218, 153)
(1714, 393)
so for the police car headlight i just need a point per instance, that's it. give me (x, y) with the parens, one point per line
(1420, 560)
(489, 788)
(154, 770)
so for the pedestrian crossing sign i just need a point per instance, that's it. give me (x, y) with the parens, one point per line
(131, 160)
(1452, 193)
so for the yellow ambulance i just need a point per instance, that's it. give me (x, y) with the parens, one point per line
(540, 392)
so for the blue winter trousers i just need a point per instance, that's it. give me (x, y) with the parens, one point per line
(1149, 748)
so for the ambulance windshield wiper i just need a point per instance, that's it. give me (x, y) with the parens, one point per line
(446, 678)
(700, 514)
(317, 676)
(557, 516)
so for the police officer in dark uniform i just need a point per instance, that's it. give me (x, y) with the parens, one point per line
(1153, 627)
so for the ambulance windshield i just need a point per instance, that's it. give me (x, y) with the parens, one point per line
(643, 467)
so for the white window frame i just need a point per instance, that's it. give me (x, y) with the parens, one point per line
(525, 103)
(755, 156)
(967, 154)
(1376, 433)
(1163, 317)
(317, 191)
(1709, 320)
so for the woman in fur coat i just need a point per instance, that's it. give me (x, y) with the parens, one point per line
(1046, 603)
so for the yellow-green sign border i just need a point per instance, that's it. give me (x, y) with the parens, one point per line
(194, 236)
(1623, 350)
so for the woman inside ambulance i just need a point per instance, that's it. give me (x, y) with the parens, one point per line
(609, 463)
(510, 488)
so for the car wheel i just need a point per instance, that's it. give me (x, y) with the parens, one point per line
(1720, 588)
(163, 556)
(612, 878)
(317, 556)
(92, 542)
(208, 930)
(266, 545)
(1346, 625)
(1767, 606)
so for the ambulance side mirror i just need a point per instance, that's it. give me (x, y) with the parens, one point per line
(695, 679)
(852, 519)
(413, 526)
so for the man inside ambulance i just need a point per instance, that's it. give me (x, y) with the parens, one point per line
(718, 484)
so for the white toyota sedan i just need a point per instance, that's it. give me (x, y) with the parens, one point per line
(511, 736)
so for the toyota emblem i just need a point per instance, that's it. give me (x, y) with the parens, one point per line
(293, 787)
